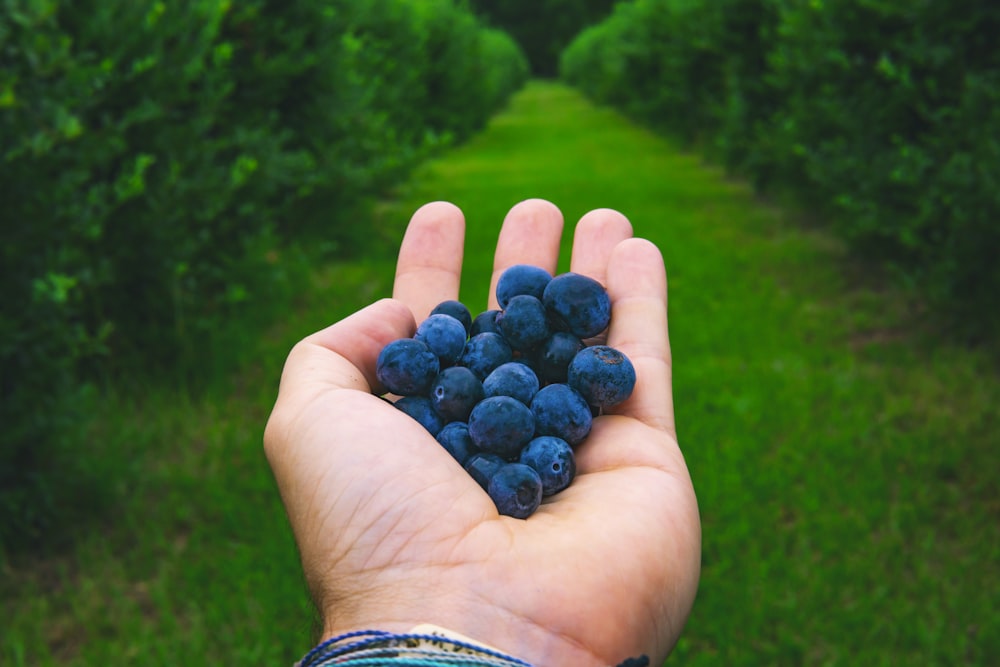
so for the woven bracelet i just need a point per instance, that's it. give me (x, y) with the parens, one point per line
(375, 647)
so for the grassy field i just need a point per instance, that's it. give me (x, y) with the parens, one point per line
(846, 463)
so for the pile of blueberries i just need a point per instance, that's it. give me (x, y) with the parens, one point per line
(511, 393)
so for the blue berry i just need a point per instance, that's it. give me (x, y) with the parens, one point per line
(516, 490)
(521, 279)
(501, 425)
(561, 411)
(513, 379)
(485, 321)
(552, 458)
(524, 322)
(455, 391)
(444, 335)
(603, 375)
(555, 355)
(482, 467)
(455, 438)
(484, 352)
(456, 309)
(419, 407)
(407, 367)
(578, 304)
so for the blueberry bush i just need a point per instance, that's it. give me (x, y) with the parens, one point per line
(154, 155)
(880, 116)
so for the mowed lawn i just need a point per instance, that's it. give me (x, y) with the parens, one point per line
(845, 461)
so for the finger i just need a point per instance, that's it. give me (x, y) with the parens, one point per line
(344, 354)
(430, 258)
(637, 284)
(594, 238)
(530, 234)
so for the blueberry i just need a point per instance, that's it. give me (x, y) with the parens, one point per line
(604, 376)
(554, 356)
(455, 438)
(513, 379)
(521, 279)
(552, 458)
(561, 411)
(482, 467)
(485, 321)
(444, 335)
(454, 392)
(516, 490)
(456, 309)
(501, 425)
(524, 322)
(484, 352)
(407, 367)
(578, 304)
(419, 407)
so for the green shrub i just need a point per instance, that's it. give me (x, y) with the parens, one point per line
(880, 116)
(543, 28)
(154, 156)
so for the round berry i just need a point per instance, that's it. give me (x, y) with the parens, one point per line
(603, 375)
(501, 425)
(513, 379)
(455, 391)
(455, 438)
(444, 335)
(552, 458)
(407, 367)
(561, 411)
(524, 322)
(456, 309)
(521, 279)
(419, 407)
(516, 490)
(484, 352)
(578, 304)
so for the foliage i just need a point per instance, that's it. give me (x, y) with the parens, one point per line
(155, 156)
(543, 28)
(881, 116)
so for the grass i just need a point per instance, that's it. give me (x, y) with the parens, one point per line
(845, 461)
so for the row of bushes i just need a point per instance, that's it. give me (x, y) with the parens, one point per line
(882, 116)
(543, 28)
(154, 155)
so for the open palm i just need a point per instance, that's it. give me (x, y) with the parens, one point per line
(393, 533)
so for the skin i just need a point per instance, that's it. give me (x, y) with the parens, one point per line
(393, 533)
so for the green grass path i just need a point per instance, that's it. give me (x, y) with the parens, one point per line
(846, 469)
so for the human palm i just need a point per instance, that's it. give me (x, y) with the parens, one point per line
(393, 533)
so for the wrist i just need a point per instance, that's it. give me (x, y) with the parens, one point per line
(425, 644)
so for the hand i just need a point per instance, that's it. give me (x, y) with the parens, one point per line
(393, 533)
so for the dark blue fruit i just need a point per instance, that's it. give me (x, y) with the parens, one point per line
(578, 304)
(484, 352)
(482, 467)
(407, 367)
(521, 279)
(455, 438)
(454, 393)
(444, 335)
(561, 411)
(554, 356)
(485, 321)
(512, 379)
(516, 490)
(419, 407)
(552, 458)
(456, 309)
(524, 322)
(604, 376)
(501, 425)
